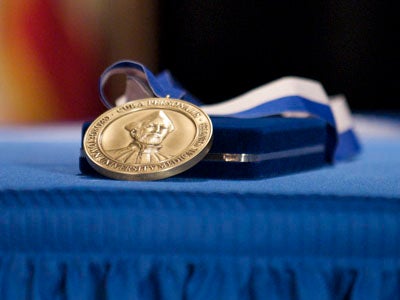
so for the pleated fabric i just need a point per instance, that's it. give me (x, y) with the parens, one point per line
(173, 277)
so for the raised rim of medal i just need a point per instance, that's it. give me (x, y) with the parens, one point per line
(167, 172)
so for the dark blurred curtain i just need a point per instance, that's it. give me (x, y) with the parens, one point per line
(219, 49)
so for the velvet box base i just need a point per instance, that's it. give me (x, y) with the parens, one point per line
(258, 148)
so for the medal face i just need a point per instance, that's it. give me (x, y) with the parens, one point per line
(148, 139)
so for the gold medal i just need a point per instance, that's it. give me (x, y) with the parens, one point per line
(148, 139)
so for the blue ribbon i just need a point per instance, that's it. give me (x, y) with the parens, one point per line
(289, 95)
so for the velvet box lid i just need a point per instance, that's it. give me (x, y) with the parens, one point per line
(258, 148)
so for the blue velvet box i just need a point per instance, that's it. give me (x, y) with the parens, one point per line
(259, 148)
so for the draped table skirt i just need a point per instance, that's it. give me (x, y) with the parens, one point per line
(331, 233)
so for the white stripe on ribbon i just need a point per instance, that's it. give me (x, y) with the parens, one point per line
(341, 113)
(283, 87)
(287, 86)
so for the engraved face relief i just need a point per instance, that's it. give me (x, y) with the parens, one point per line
(153, 130)
(147, 137)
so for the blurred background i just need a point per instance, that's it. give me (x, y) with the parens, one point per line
(52, 52)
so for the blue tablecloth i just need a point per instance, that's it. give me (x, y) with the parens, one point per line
(331, 233)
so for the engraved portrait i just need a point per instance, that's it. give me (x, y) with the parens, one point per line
(147, 137)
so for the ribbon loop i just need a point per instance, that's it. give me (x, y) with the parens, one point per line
(140, 83)
(285, 96)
